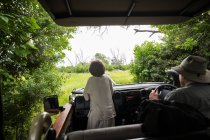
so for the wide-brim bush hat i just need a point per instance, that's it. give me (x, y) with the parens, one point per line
(194, 68)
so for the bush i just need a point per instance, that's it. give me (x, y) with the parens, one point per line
(109, 67)
(81, 68)
(21, 103)
(68, 69)
(146, 62)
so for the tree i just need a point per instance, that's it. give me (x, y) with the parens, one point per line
(180, 40)
(102, 57)
(29, 38)
(151, 31)
(31, 43)
(117, 58)
(191, 36)
(146, 65)
(80, 59)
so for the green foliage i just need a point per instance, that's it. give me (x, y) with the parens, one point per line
(24, 99)
(153, 59)
(109, 67)
(116, 63)
(29, 40)
(191, 36)
(147, 63)
(102, 58)
(67, 69)
(121, 67)
(81, 68)
(84, 67)
(180, 40)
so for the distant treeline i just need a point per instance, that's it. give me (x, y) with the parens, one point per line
(83, 68)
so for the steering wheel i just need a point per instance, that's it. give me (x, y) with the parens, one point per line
(164, 89)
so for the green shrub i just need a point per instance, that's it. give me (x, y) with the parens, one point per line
(68, 69)
(146, 62)
(109, 67)
(22, 103)
(81, 68)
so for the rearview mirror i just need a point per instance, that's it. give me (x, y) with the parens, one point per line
(51, 104)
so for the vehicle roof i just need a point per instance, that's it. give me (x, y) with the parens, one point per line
(122, 12)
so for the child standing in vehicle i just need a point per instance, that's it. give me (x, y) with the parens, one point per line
(99, 91)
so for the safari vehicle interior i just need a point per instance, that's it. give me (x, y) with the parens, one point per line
(72, 120)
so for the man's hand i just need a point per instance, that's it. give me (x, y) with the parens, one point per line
(153, 95)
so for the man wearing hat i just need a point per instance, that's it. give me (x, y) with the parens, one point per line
(194, 79)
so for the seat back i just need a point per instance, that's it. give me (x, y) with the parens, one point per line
(131, 132)
(108, 133)
(198, 135)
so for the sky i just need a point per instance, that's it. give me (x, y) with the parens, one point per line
(89, 41)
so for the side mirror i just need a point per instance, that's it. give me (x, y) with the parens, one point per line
(51, 104)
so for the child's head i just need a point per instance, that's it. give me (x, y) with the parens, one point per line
(96, 68)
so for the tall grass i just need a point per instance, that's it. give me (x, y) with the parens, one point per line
(79, 80)
(121, 77)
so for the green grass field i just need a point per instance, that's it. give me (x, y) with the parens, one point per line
(78, 80)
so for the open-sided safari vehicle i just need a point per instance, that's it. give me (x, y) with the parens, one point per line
(72, 120)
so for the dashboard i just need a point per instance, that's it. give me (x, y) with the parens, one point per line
(126, 98)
